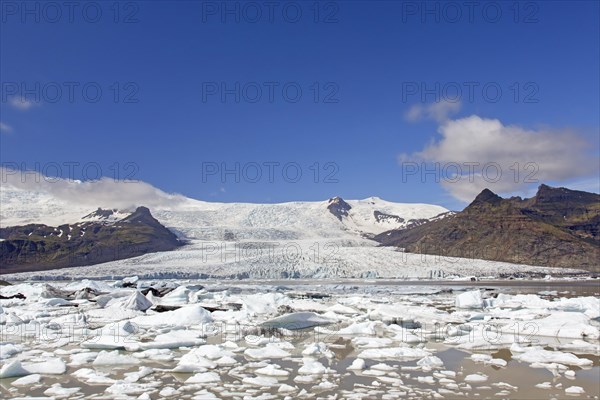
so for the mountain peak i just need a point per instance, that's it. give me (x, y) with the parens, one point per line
(486, 197)
(100, 214)
(548, 194)
(141, 214)
(338, 207)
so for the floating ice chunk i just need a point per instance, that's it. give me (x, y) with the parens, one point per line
(357, 364)
(168, 391)
(310, 366)
(581, 346)
(567, 325)
(538, 355)
(213, 352)
(114, 358)
(426, 379)
(471, 299)
(476, 378)
(498, 362)
(184, 316)
(128, 388)
(363, 328)
(488, 359)
(96, 285)
(481, 358)
(295, 321)
(574, 390)
(342, 309)
(397, 353)
(56, 302)
(92, 377)
(318, 349)
(450, 374)
(326, 385)
(194, 361)
(226, 361)
(112, 336)
(263, 303)
(271, 350)
(408, 315)
(27, 380)
(131, 281)
(53, 366)
(371, 343)
(544, 385)
(570, 374)
(137, 301)
(178, 297)
(171, 340)
(13, 369)
(137, 375)
(406, 336)
(9, 350)
(590, 306)
(430, 362)
(56, 391)
(272, 370)
(155, 354)
(504, 385)
(204, 377)
(555, 368)
(284, 388)
(262, 381)
(82, 358)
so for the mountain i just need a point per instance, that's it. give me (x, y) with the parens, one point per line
(322, 239)
(217, 221)
(558, 227)
(104, 238)
(295, 239)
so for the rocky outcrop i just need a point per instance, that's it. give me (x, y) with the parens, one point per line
(37, 247)
(558, 227)
(338, 207)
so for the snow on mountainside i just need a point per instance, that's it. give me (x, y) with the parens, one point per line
(242, 240)
(214, 221)
(374, 215)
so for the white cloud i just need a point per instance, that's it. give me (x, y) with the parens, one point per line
(439, 111)
(21, 103)
(5, 128)
(105, 192)
(524, 157)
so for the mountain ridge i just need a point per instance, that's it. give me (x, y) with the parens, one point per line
(37, 246)
(558, 227)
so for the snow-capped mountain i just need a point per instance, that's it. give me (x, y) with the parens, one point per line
(323, 239)
(219, 221)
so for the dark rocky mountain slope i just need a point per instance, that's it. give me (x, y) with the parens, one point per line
(558, 227)
(37, 247)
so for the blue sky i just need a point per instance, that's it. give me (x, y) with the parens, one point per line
(370, 61)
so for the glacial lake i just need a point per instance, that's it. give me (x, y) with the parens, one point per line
(430, 348)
